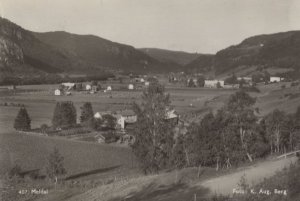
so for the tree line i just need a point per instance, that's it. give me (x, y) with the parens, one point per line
(233, 135)
(65, 117)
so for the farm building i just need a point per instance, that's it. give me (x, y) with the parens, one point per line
(68, 85)
(57, 92)
(98, 115)
(125, 117)
(247, 79)
(88, 87)
(213, 83)
(142, 80)
(12, 87)
(147, 83)
(94, 88)
(172, 116)
(130, 87)
(275, 79)
(108, 88)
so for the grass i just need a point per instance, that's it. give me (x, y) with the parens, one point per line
(31, 152)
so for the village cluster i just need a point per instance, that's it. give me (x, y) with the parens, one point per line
(231, 82)
(94, 86)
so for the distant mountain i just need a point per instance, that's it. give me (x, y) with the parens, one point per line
(202, 64)
(279, 51)
(101, 53)
(178, 57)
(23, 52)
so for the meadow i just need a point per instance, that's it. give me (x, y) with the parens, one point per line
(80, 158)
(31, 151)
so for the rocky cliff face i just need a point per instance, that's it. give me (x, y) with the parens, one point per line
(10, 51)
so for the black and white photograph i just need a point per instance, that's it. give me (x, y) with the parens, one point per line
(149, 100)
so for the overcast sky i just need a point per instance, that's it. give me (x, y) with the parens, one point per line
(203, 26)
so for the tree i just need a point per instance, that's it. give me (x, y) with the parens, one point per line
(153, 134)
(231, 80)
(191, 83)
(241, 110)
(55, 165)
(179, 159)
(109, 121)
(22, 121)
(274, 127)
(87, 115)
(201, 81)
(65, 115)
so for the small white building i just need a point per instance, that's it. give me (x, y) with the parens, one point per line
(68, 85)
(147, 84)
(88, 87)
(108, 88)
(213, 83)
(142, 80)
(130, 87)
(57, 92)
(275, 79)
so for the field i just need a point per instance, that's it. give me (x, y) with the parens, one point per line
(91, 161)
(31, 152)
(40, 102)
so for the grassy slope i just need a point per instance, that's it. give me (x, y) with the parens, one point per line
(31, 152)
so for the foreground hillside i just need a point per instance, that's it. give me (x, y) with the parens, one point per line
(181, 185)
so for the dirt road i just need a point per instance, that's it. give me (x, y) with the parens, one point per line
(254, 175)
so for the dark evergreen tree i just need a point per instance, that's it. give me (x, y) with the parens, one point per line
(22, 121)
(109, 121)
(201, 81)
(87, 115)
(65, 115)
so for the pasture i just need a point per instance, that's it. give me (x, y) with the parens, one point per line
(80, 158)
(31, 151)
(40, 102)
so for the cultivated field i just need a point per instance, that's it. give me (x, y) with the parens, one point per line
(31, 152)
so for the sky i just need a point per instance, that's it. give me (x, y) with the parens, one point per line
(203, 26)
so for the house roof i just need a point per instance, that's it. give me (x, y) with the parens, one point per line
(126, 112)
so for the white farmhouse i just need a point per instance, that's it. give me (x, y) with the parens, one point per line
(88, 87)
(125, 117)
(130, 87)
(108, 88)
(275, 79)
(147, 83)
(57, 92)
(213, 83)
